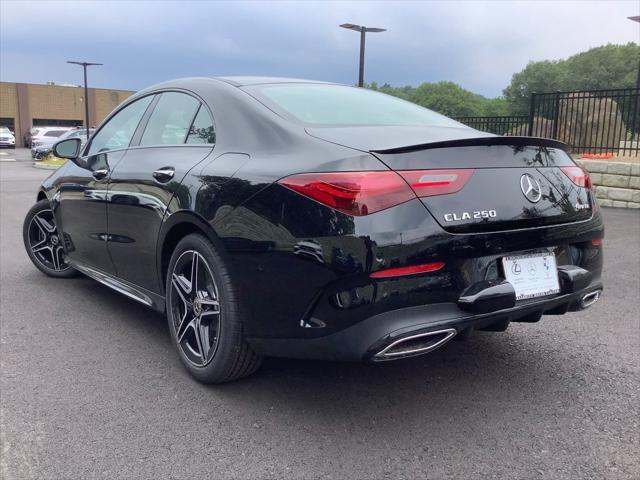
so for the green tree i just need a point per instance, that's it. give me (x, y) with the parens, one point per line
(609, 66)
(447, 98)
(496, 107)
(536, 77)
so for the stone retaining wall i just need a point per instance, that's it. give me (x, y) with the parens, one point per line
(617, 183)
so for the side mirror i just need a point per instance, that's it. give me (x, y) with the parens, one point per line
(69, 149)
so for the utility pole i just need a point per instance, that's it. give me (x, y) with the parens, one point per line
(86, 91)
(363, 31)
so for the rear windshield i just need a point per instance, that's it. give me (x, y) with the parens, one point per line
(338, 105)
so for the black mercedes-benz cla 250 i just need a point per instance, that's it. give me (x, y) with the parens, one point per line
(280, 217)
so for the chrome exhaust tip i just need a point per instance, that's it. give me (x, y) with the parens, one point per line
(415, 345)
(590, 298)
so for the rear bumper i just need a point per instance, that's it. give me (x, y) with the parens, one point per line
(367, 338)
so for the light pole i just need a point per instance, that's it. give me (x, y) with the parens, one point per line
(86, 92)
(635, 136)
(363, 31)
(636, 19)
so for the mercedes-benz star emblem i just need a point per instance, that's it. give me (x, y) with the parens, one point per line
(530, 188)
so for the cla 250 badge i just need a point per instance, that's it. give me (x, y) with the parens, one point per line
(478, 214)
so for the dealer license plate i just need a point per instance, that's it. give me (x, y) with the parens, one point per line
(532, 275)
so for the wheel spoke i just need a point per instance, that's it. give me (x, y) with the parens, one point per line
(178, 283)
(213, 306)
(194, 272)
(41, 246)
(39, 243)
(202, 339)
(57, 257)
(179, 287)
(44, 225)
(38, 224)
(184, 327)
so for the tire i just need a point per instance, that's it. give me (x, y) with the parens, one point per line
(206, 324)
(43, 245)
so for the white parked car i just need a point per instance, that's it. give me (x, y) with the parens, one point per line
(7, 139)
(45, 145)
(46, 136)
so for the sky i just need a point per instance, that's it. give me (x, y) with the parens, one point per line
(476, 44)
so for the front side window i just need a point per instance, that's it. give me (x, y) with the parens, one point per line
(202, 129)
(119, 130)
(169, 123)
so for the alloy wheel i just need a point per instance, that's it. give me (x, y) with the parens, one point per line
(195, 308)
(45, 243)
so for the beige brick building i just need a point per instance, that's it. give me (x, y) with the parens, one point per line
(23, 105)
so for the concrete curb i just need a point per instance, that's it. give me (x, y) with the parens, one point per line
(45, 167)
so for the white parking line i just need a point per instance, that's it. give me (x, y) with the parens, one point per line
(4, 153)
(7, 159)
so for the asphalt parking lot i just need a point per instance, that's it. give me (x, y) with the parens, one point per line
(90, 387)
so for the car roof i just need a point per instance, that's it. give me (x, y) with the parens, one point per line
(243, 81)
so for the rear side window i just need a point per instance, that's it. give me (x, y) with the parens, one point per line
(202, 129)
(119, 130)
(170, 121)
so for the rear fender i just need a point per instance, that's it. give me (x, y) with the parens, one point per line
(186, 222)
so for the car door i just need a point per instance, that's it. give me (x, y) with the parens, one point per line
(146, 184)
(82, 195)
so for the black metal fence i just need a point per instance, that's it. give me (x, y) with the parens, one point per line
(498, 125)
(589, 121)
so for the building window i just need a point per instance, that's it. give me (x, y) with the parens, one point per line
(9, 123)
(44, 122)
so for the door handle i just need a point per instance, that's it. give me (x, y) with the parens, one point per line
(164, 174)
(100, 174)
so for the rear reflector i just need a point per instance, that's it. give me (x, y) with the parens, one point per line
(578, 176)
(404, 271)
(596, 242)
(427, 183)
(353, 193)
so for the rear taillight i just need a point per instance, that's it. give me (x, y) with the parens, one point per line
(353, 193)
(578, 176)
(427, 183)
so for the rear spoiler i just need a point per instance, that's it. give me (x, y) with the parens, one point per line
(480, 141)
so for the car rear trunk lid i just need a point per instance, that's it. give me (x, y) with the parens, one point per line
(517, 182)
